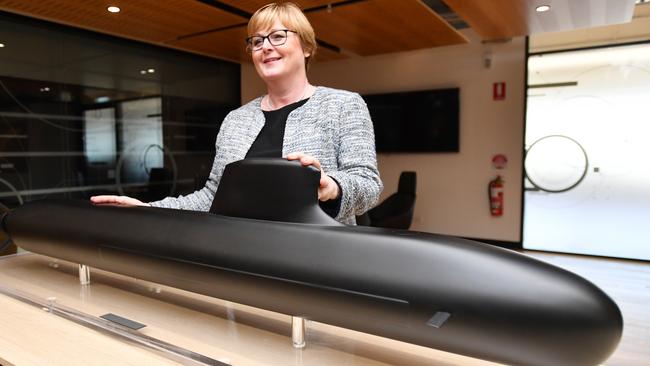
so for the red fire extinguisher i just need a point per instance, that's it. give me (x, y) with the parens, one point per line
(495, 191)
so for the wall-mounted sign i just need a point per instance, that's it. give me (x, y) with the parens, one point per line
(499, 91)
(499, 161)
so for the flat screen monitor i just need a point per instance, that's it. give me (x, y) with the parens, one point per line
(418, 121)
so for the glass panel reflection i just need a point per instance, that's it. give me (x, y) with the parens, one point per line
(78, 116)
(99, 136)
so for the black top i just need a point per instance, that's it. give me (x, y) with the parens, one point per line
(269, 142)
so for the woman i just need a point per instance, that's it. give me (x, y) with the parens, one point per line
(327, 128)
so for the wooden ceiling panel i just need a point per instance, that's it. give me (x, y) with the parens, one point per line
(252, 5)
(153, 21)
(382, 26)
(365, 27)
(493, 19)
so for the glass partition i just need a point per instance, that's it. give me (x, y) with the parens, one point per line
(84, 114)
(587, 187)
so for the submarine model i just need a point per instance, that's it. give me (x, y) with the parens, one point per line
(266, 243)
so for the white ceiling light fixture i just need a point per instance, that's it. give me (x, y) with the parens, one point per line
(113, 9)
(543, 8)
(142, 72)
(151, 71)
(2, 45)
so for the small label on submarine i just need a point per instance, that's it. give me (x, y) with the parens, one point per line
(438, 319)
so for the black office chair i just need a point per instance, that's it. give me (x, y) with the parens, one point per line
(396, 212)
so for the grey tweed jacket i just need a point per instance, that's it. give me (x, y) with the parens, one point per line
(334, 126)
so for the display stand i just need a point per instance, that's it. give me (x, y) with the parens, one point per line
(52, 314)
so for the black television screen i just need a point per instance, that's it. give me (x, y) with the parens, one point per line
(419, 121)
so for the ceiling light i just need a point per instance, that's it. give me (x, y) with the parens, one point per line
(113, 9)
(543, 8)
(151, 71)
(45, 89)
(142, 72)
(2, 45)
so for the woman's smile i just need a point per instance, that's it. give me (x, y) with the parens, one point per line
(271, 59)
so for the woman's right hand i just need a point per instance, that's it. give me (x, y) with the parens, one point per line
(117, 200)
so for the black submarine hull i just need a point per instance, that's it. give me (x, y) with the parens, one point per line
(436, 291)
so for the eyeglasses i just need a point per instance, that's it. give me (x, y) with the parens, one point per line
(276, 38)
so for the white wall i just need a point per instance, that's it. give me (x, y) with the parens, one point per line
(452, 187)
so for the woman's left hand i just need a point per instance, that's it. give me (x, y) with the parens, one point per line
(328, 189)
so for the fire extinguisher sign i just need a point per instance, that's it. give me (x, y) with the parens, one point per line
(499, 91)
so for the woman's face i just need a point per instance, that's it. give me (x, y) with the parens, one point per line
(278, 62)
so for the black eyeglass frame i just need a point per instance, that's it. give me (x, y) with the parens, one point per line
(249, 40)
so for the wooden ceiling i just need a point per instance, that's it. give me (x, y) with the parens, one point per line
(344, 28)
(218, 28)
(495, 18)
(153, 21)
(375, 27)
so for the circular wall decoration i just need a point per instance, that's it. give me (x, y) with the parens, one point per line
(556, 163)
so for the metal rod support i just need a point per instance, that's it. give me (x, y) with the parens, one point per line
(84, 274)
(298, 331)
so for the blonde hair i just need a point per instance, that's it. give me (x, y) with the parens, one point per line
(290, 15)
